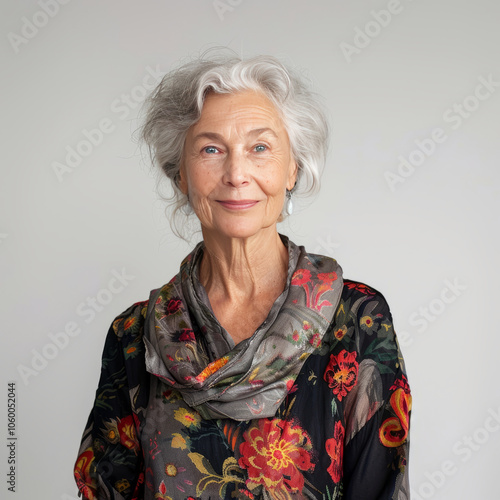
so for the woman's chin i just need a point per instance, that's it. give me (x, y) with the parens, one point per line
(241, 229)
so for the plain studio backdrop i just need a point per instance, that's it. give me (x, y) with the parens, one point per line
(408, 204)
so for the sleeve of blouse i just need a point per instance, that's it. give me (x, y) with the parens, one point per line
(378, 413)
(110, 459)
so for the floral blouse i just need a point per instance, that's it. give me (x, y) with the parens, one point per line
(340, 432)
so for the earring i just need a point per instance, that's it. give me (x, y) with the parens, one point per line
(289, 204)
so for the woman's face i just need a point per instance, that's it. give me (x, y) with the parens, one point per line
(237, 163)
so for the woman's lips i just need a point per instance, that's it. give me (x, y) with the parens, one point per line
(237, 204)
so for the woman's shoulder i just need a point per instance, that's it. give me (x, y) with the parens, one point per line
(363, 316)
(358, 294)
(123, 357)
(128, 327)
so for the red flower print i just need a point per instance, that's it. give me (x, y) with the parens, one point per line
(314, 291)
(341, 374)
(274, 452)
(187, 335)
(129, 322)
(301, 276)
(173, 306)
(162, 492)
(291, 386)
(327, 277)
(335, 449)
(360, 287)
(401, 383)
(315, 340)
(85, 480)
(162, 488)
(126, 430)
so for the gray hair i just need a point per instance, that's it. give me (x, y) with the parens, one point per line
(176, 104)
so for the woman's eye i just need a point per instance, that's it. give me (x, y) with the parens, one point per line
(210, 150)
(260, 147)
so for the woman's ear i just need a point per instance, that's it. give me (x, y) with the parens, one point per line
(292, 178)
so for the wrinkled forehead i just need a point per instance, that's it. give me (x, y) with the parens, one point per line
(247, 109)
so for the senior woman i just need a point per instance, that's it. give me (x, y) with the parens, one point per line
(257, 371)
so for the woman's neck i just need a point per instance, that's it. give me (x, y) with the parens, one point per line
(238, 269)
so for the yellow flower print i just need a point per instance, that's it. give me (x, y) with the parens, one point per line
(110, 431)
(340, 332)
(187, 418)
(366, 323)
(122, 485)
(171, 470)
(178, 441)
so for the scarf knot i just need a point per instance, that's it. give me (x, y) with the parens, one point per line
(189, 350)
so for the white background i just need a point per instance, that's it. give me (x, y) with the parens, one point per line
(62, 237)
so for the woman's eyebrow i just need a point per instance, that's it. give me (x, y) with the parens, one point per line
(258, 131)
(214, 136)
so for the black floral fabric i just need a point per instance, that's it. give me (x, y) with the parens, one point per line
(342, 431)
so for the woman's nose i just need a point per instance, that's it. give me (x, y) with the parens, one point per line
(236, 169)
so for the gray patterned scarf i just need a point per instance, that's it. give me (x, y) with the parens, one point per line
(188, 349)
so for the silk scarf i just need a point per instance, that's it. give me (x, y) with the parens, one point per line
(188, 349)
